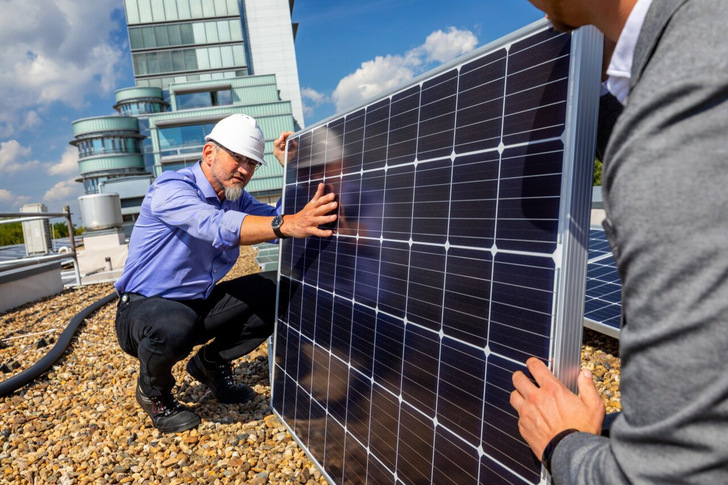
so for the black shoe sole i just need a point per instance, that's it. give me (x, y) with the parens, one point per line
(194, 370)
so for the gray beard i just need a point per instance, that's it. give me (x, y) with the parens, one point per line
(233, 193)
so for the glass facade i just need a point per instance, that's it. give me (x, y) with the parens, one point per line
(204, 100)
(150, 11)
(185, 40)
(108, 144)
(189, 60)
(183, 139)
(164, 82)
(140, 108)
(91, 184)
(186, 34)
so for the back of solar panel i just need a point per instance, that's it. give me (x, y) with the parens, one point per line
(460, 251)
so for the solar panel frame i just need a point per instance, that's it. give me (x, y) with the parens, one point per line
(298, 393)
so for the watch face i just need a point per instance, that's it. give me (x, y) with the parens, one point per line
(277, 221)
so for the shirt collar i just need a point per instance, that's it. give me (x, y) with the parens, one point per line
(202, 182)
(620, 66)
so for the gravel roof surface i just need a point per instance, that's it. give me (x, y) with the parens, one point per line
(79, 423)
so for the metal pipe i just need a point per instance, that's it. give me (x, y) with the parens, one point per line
(71, 234)
(36, 259)
(25, 216)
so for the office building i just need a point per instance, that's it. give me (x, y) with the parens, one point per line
(195, 62)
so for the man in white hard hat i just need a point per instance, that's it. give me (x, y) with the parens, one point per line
(186, 239)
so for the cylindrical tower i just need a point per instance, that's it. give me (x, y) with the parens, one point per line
(108, 147)
(140, 101)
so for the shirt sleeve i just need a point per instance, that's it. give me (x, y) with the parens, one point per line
(178, 202)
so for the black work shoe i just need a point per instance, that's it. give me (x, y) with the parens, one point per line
(168, 415)
(218, 376)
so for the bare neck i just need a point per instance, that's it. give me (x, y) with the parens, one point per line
(610, 16)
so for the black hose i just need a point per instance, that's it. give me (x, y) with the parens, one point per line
(37, 369)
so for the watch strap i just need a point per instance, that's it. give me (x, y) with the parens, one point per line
(276, 224)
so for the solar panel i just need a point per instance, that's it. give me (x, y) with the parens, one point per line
(460, 251)
(603, 298)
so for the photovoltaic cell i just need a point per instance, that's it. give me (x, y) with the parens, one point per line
(459, 253)
(603, 297)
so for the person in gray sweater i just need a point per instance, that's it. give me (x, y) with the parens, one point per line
(665, 185)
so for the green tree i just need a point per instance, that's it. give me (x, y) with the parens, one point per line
(597, 172)
(11, 233)
(60, 229)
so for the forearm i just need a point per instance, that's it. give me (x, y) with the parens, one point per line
(256, 229)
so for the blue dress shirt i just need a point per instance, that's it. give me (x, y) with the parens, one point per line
(185, 239)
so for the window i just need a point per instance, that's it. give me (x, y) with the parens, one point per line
(135, 38)
(162, 36)
(204, 99)
(183, 136)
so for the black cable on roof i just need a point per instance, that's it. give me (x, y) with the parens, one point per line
(37, 369)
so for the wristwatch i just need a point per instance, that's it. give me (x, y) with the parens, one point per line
(276, 224)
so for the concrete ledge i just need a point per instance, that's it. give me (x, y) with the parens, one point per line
(22, 285)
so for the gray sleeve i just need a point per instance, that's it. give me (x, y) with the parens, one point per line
(585, 458)
(666, 195)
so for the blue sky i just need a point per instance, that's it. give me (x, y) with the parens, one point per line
(64, 60)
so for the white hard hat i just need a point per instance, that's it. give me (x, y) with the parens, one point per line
(240, 134)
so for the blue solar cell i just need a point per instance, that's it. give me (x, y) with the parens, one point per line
(460, 395)
(397, 338)
(437, 116)
(432, 201)
(403, 125)
(603, 297)
(474, 200)
(425, 289)
(467, 295)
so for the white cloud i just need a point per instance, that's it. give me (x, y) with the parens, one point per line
(64, 191)
(444, 46)
(312, 99)
(68, 164)
(10, 202)
(6, 196)
(31, 120)
(372, 78)
(386, 72)
(54, 51)
(14, 157)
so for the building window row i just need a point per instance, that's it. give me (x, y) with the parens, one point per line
(164, 82)
(182, 60)
(140, 108)
(106, 145)
(204, 99)
(147, 11)
(181, 137)
(175, 35)
(91, 184)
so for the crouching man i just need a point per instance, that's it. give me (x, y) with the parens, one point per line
(186, 239)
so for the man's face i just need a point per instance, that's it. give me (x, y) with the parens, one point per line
(564, 15)
(229, 175)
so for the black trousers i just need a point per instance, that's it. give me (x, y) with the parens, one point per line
(236, 318)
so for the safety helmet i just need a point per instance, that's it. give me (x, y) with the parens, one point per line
(240, 134)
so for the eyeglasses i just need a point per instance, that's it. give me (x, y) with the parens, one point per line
(242, 160)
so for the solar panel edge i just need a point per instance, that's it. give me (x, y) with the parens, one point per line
(580, 147)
